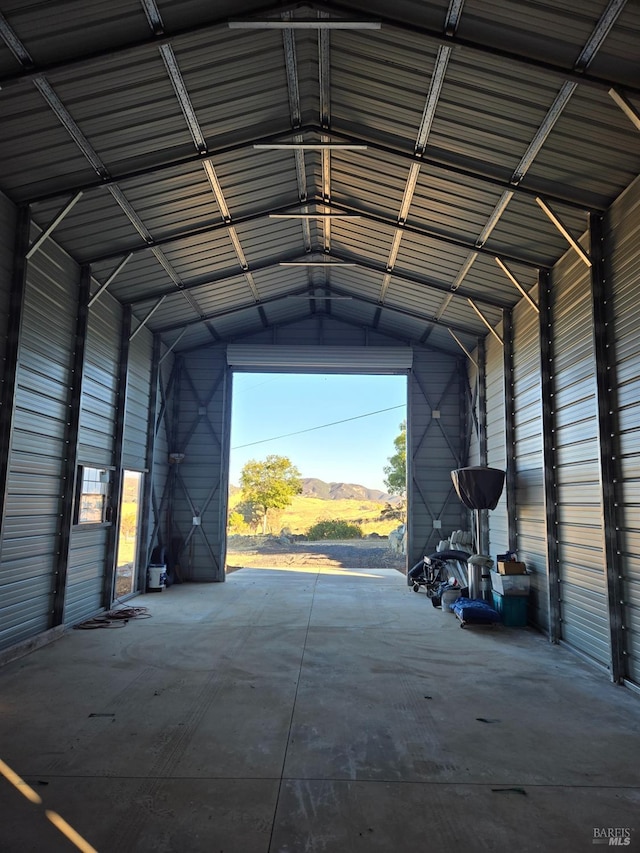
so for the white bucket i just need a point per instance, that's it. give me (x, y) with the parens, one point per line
(156, 577)
(447, 598)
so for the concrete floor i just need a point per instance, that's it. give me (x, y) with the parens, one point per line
(337, 712)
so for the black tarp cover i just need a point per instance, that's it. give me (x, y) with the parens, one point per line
(478, 487)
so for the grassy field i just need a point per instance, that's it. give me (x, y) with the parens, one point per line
(304, 511)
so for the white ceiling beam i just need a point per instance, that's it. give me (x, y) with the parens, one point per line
(69, 124)
(57, 219)
(454, 13)
(485, 321)
(505, 269)
(146, 319)
(462, 347)
(14, 44)
(154, 17)
(627, 107)
(599, 34)
(111, 278)
(179, 87)
(565, 232)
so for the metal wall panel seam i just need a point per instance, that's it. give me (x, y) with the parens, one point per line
(145, 543)
(548, 453)
(12, 348)
(605, 353)
(118, 451)
(510, 429)
(72, 446)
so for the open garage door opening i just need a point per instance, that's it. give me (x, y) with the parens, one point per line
(317, 463)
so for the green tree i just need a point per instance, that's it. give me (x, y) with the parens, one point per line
(396, 470)
(251, 515)
(236, 522)
(128, 520)
(270, 484)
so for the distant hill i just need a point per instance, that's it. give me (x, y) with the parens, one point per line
(314, 488)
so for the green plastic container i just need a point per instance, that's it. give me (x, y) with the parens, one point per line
(512, 608)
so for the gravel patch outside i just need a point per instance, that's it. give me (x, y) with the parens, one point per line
(275, 552)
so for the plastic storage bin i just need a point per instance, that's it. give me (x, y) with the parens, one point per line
(510, 584)
(512, 608)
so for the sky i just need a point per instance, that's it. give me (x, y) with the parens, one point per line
(270, 405)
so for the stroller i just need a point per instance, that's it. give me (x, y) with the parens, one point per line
(434, 571)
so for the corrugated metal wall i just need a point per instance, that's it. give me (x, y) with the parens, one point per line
(530, 522)
(199, 483)
(137, 407)
(30, 536)
(496, 440)
(8, 591)
(100, 386)
(623, 239)
(583, 593)
(434, 448)
(86, 572)
(7, 237)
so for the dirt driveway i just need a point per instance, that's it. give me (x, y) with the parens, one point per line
(274, 552)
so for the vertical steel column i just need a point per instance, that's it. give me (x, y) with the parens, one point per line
(144, 547)
(10, 367)
(71, 461)
(464, 422)
(411, 554)
(510, 428)
(464, 415)
(225, 444)
(482, 402)
(482, 515)
(118, 446)
(173, 434)
(549, 454)
(604, 348)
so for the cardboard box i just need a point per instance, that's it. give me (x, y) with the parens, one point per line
(512, 568)
(510, 584)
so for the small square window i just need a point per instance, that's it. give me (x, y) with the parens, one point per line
(92, 494)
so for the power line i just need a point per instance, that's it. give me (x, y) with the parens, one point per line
(322, 426)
